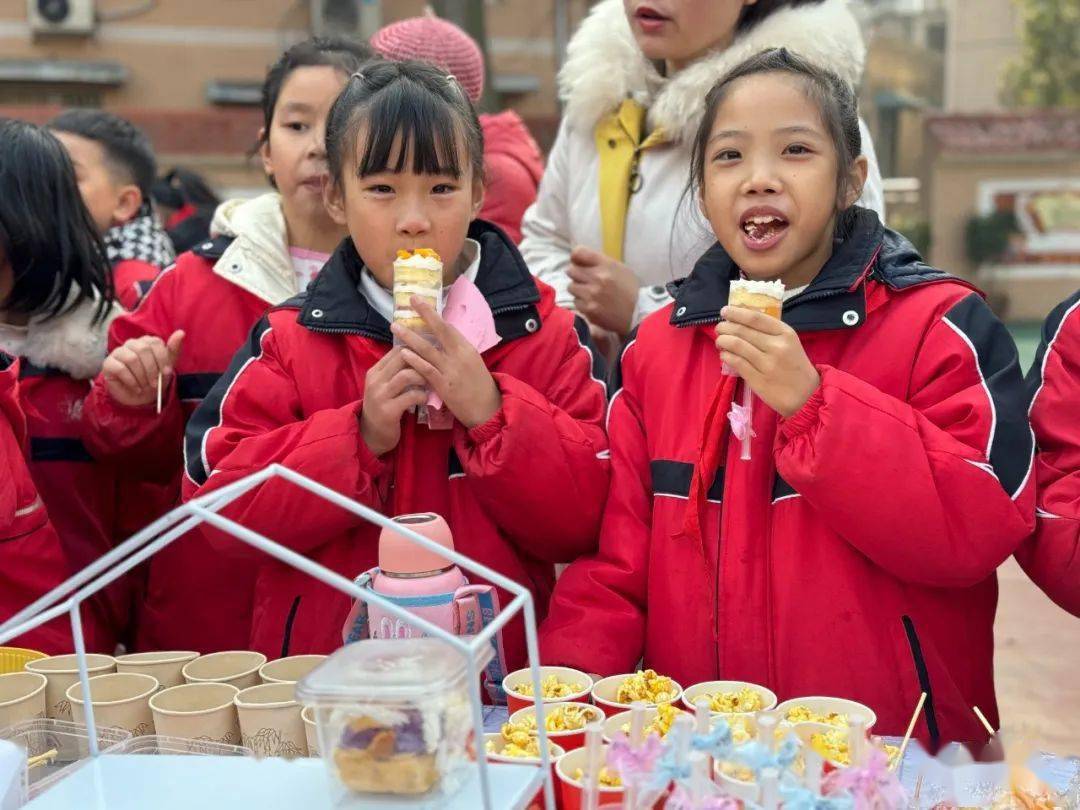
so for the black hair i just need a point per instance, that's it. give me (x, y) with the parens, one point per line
(337, 52)
(181, 186)
(752, 15)
(47, 236)
(127, 149)
(834, 98)
(416, 101)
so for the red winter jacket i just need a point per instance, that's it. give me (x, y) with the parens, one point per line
(82, 491)
(854, 554)
(190, 603)
(31, 557)
(1052, 556)
(521, 492)
(132, 278)
(513, 165)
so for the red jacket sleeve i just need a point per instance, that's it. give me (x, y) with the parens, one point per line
(1051, 557)
(937, 489)
(249, 421)
(558, 430)
(596, 621)
(139, 436)
(130, 276)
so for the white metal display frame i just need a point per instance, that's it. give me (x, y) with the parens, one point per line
(69, 596)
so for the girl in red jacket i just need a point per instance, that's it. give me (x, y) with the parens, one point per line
(520, 473)
(262, 252)
(55, 305)
(1052, 556)
(854, 553)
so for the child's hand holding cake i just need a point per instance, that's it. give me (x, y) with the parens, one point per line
(763, 350)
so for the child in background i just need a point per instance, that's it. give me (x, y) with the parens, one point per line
(520, 474)
(194, 318)
(1052, 556)
(853, 553)
(115, 166)
(55, 308)
(186, 204)
(513, 164)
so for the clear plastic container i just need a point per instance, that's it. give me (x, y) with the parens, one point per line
(69, 741)
(394, 718)
(161, 745)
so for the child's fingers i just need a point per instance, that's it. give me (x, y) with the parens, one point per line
(386, 365)
(429, 372)
(733, 344)
(402, 381)
(754, 319)
(152, 355)
(447, 335)
(584, 256)
(118, 373)
(759, 340)
(130, 358)
(580, 275)
(740, 365)
(418, 344)
(411, 398)
(174, 345)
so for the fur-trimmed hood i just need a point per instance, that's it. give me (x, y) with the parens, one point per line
(604, 65)
(71, 342)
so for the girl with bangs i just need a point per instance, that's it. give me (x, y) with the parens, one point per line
(327, 386)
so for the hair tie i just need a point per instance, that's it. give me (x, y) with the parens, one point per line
(358, 75)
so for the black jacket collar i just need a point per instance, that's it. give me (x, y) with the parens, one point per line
(334, 303)
(834, 300)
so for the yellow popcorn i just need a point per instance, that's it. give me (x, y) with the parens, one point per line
(661, 724)
(515, 743)
(802, 714)
(738, 772)
(740, 730)
(744, 701)
(550, 688)
(563, 717)
(833, 746)
(646, 686)
(607, 778)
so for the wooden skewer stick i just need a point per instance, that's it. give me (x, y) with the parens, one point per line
(982, 719)
(42, 759)
(916, 797)
(159, 392)
(910, 731)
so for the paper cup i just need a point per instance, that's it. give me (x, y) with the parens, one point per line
(289, 670)
(120, 700)
(747, 792)
(198, 711)
(270, 722)
(238, 667)
(555, 752)
(22, 697)
(62, 671)
(165, 666)
(311, 730)
(605, 690)
(515, 702)
(692, 693)
(827, 705)
(567, 740)
(570, 789)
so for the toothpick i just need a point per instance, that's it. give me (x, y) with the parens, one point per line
(982, 719)
(918, 792)
(910, 731)
(159, 392)
(42, 759)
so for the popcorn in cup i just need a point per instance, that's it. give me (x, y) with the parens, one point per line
(556, 717)
(606, 691)
(730, 697)
(571, 787)
(557, 683)
(620, 723)
(494, 746)
(829, 710)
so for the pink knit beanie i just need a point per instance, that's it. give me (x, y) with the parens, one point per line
(440, 42)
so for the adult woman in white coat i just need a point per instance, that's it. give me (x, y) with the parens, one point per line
(612, 226)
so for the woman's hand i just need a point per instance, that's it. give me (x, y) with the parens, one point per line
(390, 389)
(454, 369)
(605, 291)
(768, 355)
(131, 371)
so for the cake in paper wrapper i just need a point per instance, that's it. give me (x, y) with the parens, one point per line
(420, 273)
(393, 716)
(763, 296)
